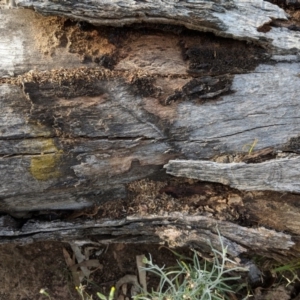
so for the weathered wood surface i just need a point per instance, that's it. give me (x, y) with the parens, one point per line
(176, 229)
(236, 18)
(84, 113)
(280, 175)
(22, 48)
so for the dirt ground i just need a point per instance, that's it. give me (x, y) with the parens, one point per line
(24, 270)
(27, 269)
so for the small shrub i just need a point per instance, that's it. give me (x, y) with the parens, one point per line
(194, 280)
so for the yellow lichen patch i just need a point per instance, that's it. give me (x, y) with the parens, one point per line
(46, 165)
(47, 146)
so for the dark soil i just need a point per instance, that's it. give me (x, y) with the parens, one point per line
(25, 270)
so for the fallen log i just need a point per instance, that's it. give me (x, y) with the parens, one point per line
(91, 114)
(176, 229)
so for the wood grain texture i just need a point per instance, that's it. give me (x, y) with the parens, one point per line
(178, 230)
(85, 114)
(76, 136)
(235, 19)
(79, 162)
(273, 210)
(262, 107)
(280, 175)
(19, 47)
(99, 146)
(84, 143)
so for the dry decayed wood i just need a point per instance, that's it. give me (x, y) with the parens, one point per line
(84, 113)
(176, 229)
(236, 19)
(277, 175)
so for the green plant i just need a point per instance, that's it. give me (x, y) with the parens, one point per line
(288, 271)
(110, 296)
(194, 280)
(86, 296)
(251, 146)
(290, 267)
(81, 291)
(43, 292)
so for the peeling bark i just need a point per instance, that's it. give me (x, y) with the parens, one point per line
(178, 230)
(235, 19)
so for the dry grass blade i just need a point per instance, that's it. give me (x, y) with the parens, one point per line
(92, 263)
(71, 263)
(129, 279)
(80, 258)
(124, 289)
(141, 271)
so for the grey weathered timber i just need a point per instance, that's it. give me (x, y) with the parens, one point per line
(19, 49)
(89, 112)
(262, 107)
(105, 147)
(280, 175)
(176, 229)
(235, 18)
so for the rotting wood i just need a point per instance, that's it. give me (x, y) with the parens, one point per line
(98, 122)
(46, 148)
(281, 175)
(73, 137)
(235, 19)
(178, 230)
